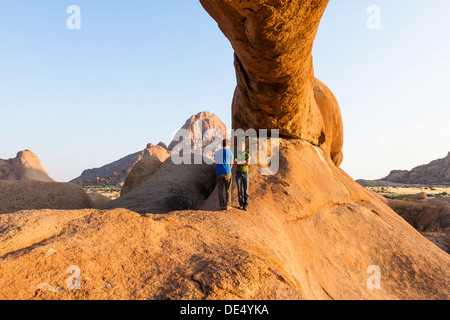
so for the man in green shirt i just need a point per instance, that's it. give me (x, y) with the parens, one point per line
(242, 160)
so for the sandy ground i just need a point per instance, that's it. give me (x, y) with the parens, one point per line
(112, 193)
(399, 191)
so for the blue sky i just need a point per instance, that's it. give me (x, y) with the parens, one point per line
(138, 69)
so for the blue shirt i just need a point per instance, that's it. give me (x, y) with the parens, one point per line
(223, 158)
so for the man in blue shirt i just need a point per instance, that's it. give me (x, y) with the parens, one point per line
(224, 162)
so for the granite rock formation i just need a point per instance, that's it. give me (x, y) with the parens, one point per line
(208, 122)
(25, 166)
(191, 182)
(436, 172)
(276, 88)
(140, 172)
(98, 199)
(32, 194)
(116, 172)
(167, 188)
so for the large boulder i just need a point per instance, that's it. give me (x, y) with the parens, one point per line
(140, 172)
(25, 166)
(332, 118)
(98, 199)
(418, 196)
(116, 172)
(30, 194)
(208, 121)
(170, 187)
(436, 172)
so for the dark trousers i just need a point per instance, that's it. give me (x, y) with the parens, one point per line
(242, 181)
(224, 184)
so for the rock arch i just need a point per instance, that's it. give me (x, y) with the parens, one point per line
(276, 88)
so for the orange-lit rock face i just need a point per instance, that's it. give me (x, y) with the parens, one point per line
(273, 41)
(332, 120)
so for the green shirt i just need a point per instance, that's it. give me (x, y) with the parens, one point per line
(241, 157)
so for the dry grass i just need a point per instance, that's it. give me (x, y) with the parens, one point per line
(112, 192)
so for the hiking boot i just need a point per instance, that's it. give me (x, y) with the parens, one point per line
(228, 208)
(245, 208)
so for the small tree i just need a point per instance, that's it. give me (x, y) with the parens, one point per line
(178, 199)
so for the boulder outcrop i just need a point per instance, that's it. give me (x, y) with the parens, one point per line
(436, 172)
(208, 121)
(116, 172)
(98, 199)
(32, 194)
(140, 172)
(418, 196)
(175, 186)
(25, 166)
(162, 144)
(170, 187)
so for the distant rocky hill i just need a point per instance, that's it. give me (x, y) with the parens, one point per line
(25, 166)
(208, 120)
(380, 183)
(115, 173)
(436, 172)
